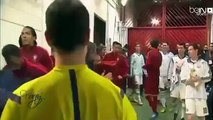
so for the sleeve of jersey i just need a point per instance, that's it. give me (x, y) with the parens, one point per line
(207, 75)
(131, 65)
(16, 107)
(128, 111)
(171, 66)
(12, 109)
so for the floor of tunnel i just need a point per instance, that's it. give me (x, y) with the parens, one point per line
(144, 112)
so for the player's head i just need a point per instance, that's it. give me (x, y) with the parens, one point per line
(137, 48)
(28, 37)
(12, 55)
(187, 45)
(194, 51)
(101, 50)
(154, 43)
(205, 47)
(67, 26)
(165, 46)
(91, 51)
(116, 47)
(126, 46)
(181, 48)
(211, 47)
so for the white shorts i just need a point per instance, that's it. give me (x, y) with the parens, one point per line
(163, 81)
(179, 91)
(196, 107)
(138, 79)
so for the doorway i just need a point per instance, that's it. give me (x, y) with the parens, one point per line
(99, 30)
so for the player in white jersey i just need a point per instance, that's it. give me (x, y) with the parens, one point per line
(165, 73)
(177, 86)
(196, 73)
(137, 61)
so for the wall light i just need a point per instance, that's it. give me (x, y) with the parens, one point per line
(123, 2)
(155, 21)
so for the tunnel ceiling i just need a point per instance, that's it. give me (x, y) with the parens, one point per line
(143, 10)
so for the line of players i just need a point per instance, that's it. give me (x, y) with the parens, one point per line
(184, 73)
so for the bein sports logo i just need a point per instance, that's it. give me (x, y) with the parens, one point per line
(201, 11)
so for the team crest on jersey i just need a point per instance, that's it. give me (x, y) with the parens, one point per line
(117, 59)
(205, 110)
(35, 57)
(33, 100)
(198, 66)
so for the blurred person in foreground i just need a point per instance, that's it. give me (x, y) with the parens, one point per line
(71, 91)
(21, 67)
(17, 71)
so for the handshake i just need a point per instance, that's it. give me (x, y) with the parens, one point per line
(195, 80)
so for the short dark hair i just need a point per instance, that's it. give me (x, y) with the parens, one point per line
(154, 43)
(182, 44)
(165, 42)
(116, 43)
(100, 48)
(91, 49)
(10, 50)
(196, 47)
(67, 23)
(126, 46)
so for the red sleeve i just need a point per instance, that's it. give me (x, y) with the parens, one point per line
(36, 70)
(123, 66)
(126, 66)
(108, 57)
(45, 59)
(30, 70)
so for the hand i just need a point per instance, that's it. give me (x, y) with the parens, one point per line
(120, 77)
(197, 84)
(178, 71)
(143, 66)
(103, 73)
(127, 75)
(145, 73)
(189, 82)
(195, 78)
(108, 75)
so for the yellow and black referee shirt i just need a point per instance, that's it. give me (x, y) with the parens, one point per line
(69, 93)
